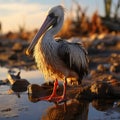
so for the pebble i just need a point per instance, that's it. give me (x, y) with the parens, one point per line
(17, 47)
(101, 68)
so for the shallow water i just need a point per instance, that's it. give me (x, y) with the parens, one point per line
(14, 108)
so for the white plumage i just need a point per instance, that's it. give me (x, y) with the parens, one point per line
(57, 58)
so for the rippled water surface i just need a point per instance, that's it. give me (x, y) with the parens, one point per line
(13, 107)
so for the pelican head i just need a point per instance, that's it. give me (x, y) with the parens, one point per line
(54, 20)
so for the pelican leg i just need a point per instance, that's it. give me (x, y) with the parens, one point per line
(53, 96)
(63, 97)
(54, 90)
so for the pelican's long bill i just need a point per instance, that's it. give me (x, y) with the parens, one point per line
(47, 23)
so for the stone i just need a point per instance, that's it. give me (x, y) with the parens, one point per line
(20, 85)
(100, 89)
(115, 68)
(101, 68)
(17, 83)
(17, 47)
(13, 57)
(37, 91)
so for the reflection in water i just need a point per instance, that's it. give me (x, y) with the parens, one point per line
(81, 110)
(103, 110)
(7, 108)
(71, 110)
(14, 107)
(75, 111)
(103, 105)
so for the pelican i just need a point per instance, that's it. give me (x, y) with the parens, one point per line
(57, 59)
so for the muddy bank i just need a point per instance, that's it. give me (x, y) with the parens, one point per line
(104, 63)
(12, 51)
(12, 54)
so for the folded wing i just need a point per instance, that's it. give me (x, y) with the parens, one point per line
(74, 56)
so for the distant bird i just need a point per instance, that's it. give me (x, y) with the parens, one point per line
(57, 58)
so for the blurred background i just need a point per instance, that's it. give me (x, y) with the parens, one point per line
(82, 16)
(94, 22)
(90, 21)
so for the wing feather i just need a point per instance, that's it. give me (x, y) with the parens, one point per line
(74, 56)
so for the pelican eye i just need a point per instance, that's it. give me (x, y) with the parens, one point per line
(52, 15)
